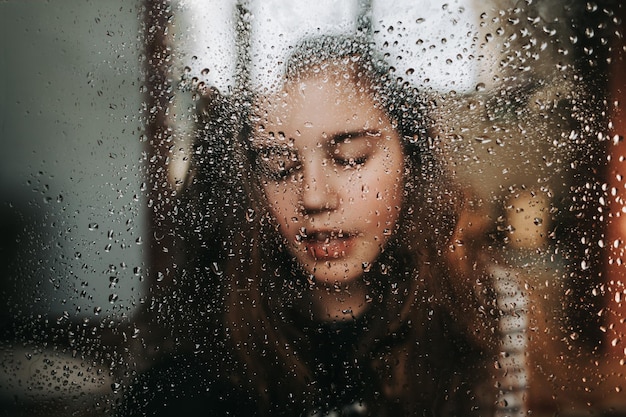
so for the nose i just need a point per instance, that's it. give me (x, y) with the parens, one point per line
(319, 189)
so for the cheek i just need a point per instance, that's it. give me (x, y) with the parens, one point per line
(378, 207)
(380, 187)
(389, 197)
(392, 180)
(282, 203)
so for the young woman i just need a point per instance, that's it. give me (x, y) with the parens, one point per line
(341, 287)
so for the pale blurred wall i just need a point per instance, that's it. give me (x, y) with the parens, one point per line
(70, 169)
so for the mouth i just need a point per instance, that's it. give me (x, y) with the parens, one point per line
(327, 244)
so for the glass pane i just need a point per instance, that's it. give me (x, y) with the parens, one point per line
(315, 209)
(73, 209)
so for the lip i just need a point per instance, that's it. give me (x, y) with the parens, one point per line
(328, 245)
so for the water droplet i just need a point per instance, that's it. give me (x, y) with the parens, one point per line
(215, 267)
(115, 387)
(250, 214)
(113, 281)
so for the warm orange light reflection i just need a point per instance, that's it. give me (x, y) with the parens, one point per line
(615, 242)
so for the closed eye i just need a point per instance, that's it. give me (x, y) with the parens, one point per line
(351, 162)
(275, 163)
(353, 149)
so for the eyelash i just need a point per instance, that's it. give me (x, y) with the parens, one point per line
(282, 174)
(351, 162)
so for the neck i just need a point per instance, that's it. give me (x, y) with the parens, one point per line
(338, 304)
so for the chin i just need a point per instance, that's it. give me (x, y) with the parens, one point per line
(336, 274)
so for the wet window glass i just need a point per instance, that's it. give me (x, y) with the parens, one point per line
(355, 208)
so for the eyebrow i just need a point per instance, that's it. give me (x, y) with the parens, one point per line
(257, 150)
(342, 137)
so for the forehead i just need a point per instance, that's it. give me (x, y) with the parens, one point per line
(332, 98)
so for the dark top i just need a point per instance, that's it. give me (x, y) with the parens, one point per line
(181, 386)
(187, 385)
(344, 382)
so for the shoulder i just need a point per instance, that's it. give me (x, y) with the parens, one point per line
(185, 386)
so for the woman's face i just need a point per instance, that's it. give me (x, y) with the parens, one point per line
(332, 168)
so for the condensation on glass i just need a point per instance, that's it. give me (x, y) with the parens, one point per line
(170, 187)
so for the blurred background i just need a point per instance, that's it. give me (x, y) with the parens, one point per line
(99, 105)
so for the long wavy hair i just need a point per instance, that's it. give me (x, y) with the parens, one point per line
(419, 331)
